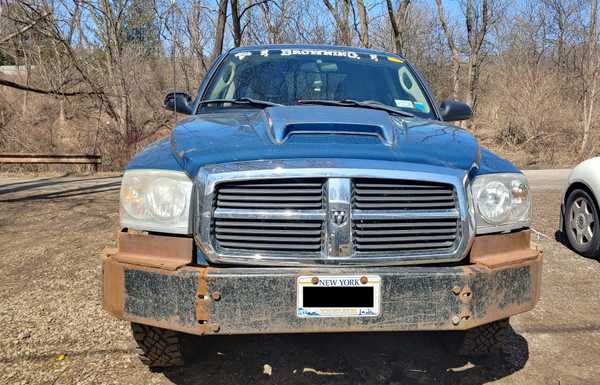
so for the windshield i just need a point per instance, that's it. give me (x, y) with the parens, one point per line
(290, 76)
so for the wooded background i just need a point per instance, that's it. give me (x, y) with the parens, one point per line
(90, 76)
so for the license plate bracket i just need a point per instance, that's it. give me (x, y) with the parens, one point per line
(338, 296)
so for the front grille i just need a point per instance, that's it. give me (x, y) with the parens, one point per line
(400, 236)
(249, 231)
(386, 194)
(272, 194)
(268, 235)
(397, 235)
(347, 219)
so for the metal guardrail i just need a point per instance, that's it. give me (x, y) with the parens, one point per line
(94, 160)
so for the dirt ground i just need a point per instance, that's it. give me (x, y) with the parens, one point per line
(52, 232)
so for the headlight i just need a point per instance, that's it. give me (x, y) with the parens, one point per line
(501, 201)
(156, 200)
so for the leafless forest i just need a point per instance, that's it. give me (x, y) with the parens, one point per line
(90, 76)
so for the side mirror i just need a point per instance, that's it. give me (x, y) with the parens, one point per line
(179, 102)
(453, 111)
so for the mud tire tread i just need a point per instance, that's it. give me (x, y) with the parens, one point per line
(485, 339)
(156, 347)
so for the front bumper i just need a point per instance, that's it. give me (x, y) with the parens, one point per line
(503, 280)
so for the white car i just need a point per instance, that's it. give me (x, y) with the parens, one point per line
(580, 211)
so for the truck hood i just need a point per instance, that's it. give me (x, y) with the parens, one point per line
(298, 132)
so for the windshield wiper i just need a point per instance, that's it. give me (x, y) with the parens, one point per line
(355, 103)
(244, 100)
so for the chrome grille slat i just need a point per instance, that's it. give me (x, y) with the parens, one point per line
(269, 246)
(273, 183)
(406, 232)
(395, 206)
(271, 191)
(395, 239)
(404, 214)
(403, 246)
(236, 230)
(226, 197)
(419, 224)
(263, 223)
(392, 184)
(411, 198)
(267, 204)
(270, 214)
(393, 192)
(297, 239)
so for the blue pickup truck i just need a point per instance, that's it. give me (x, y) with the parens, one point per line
(319, 189)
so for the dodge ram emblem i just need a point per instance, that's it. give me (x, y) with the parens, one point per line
(338, 217)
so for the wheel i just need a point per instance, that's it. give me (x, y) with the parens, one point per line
(158, 348)
(480, 341)
(582, 223)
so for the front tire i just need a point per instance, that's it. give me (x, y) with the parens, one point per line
(156, 347)
(582, 223)
(480, 341)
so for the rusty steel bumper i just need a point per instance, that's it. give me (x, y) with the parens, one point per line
(158, 287)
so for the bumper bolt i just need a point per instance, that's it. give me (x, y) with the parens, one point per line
(216, 296)
(364, 280)
(315, 280)
(455, 320)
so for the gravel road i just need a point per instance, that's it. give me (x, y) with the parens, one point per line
(53, 230)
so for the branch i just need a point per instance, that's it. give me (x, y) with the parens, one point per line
(392, 17)
(8, 83)
(246, 9)
(445, 28)
(24, 29)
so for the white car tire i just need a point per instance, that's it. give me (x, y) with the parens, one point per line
(582, 223)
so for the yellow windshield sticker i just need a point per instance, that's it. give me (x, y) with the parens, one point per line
(395, 59)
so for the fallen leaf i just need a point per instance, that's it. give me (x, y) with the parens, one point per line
(60, 357)
(267, 369)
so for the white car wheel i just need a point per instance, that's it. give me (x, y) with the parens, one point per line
(581, 223)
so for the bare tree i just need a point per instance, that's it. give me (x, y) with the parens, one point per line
(341, 17)
(477, 27)
(364, 24)
(237, 17)
(398, 22)
(452, 45)
(590, 67)
(220, 29)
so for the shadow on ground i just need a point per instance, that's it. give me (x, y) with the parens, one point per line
(32, 184)
(68, 188)
(358, 358)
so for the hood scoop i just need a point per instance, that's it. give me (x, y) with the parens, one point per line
(284, 122)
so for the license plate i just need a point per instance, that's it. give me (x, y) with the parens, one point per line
(338, 296)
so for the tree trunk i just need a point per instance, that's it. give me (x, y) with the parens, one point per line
(220, 29)
(236, 23)
(364, 24)
(476, 34)
(590, 68)
(341, 21)
(398, 23)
